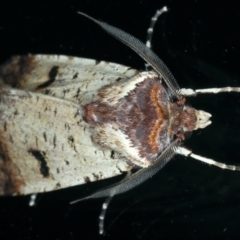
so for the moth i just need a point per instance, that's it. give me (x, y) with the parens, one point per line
(66, 121)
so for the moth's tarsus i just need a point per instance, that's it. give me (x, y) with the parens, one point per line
(103, 213)
(152, 25)
(32, 201)
(150, 31)
(188, 92)
(188, 153)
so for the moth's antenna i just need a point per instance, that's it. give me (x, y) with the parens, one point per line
(142, 50)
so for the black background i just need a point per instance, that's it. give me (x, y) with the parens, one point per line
(199, 42)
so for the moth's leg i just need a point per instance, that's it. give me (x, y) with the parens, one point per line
(188, 153)
(105, 206)
(103, 213)
(151, 29)
(190, 92)
(152, 24)
(133, 180)
(32, 201)
(130, 182)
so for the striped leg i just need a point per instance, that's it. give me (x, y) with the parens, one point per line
(188, 153)
(105, 206)
(32, 201)
(103, 213)
(151, 28)
(188, 92)
(152, 24)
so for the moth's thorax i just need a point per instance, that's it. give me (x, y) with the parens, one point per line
(137, 118)
(140, 116)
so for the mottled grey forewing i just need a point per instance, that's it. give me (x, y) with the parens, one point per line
(44, 142)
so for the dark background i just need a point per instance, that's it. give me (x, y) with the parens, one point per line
(188, 199)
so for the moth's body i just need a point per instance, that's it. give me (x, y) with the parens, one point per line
(66, 121)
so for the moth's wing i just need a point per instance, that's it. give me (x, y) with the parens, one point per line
(71, 78)
(44, 142)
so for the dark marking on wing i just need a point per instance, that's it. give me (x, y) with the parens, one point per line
(65, 91)
(11, 139)
(97, 62)
(71, 139)
(66, 126)
(5, 126)
(96, 177)
(54, 141)
(11, 180)
(119, 169)
(52, 77)
(14, 71)
(119, 79)
(45, 136)
(36, 139)
(87, 179)
(71, 143)
(76, 114)
(75, 75)
(67, 162)
(77, 93)
(112, 154)
(40, 157)
(47, 91)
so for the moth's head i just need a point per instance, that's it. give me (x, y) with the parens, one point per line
(202, 119)
(184, 118)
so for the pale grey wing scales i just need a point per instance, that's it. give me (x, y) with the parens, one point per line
(71, 78)
(45, 145)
